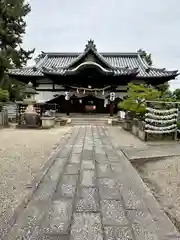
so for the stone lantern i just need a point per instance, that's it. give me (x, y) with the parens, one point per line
(31, 117)
(30, 94)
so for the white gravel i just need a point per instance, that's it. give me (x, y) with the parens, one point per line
(22, 154)
(163, 178)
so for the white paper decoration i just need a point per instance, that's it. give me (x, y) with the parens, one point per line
(161, 121)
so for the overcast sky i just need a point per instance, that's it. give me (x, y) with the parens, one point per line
(114, 25)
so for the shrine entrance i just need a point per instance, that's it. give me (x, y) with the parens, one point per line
(79, 104)
(88, 104)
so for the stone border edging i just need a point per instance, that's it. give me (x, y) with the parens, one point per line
(149, 159)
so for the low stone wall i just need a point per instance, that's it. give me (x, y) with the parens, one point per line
(127, 125)
(136, 127)
(3, 119)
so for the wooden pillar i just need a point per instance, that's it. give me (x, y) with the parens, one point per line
(111, 110)
(68, 99)
(68, 107)
(111, 107)
(176, 131)
(19, 114)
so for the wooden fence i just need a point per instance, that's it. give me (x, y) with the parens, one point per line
(7, 113)
(11, 108)
(3, 119)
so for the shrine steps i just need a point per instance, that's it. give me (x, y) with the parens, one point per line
(89, 121)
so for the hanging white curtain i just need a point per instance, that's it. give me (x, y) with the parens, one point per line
(105, 102)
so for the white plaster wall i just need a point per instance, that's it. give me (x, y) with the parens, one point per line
(120, 94)
(44, 86)
(43, 96)
(48, 86)
(56, 86)
(138, 81)
(121, 88)
(44, 80)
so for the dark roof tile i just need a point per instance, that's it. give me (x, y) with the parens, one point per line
(121, 63)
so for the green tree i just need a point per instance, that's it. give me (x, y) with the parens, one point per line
(176, 94)
(12, 29)
(137, 95)
(15, 88)
(148, 58)
(4, 95)
(163, 87)
(165, 93)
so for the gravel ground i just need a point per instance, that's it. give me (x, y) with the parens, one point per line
(163, 178)
(22, 154)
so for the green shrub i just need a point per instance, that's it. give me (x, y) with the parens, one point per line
(4, 95)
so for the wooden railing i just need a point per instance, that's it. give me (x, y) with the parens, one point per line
(11, 108)
(8, 113)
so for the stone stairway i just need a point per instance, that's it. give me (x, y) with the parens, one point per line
(89, 121)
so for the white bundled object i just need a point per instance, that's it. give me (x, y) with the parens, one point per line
(122, 114)
(161, 118)
(172, 110)
(160, 132)
(151, 115)
(148, 126)
(160, 121)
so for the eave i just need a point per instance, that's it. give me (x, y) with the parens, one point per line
(109, 64)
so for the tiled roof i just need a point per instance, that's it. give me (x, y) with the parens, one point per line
(120, 63)
(28, 71)
(66, 70)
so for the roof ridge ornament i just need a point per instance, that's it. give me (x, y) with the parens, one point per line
(90, 45)
(141, 51)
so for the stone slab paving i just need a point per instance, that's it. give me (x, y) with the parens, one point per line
(151, 153)
(91, 192)
(135, 149)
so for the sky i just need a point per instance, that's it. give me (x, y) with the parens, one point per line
(114, 25)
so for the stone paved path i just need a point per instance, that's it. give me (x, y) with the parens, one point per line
(91, 192)
(137, 150)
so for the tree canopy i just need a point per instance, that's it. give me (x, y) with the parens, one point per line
(137, 95)
(4, 95)
(176, 94)
(12, 29)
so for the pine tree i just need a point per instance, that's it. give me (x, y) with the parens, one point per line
(12, 29)
(137, 95)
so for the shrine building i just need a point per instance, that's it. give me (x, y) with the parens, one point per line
(89, 79)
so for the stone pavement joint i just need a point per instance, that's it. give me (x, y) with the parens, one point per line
(91, 192)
